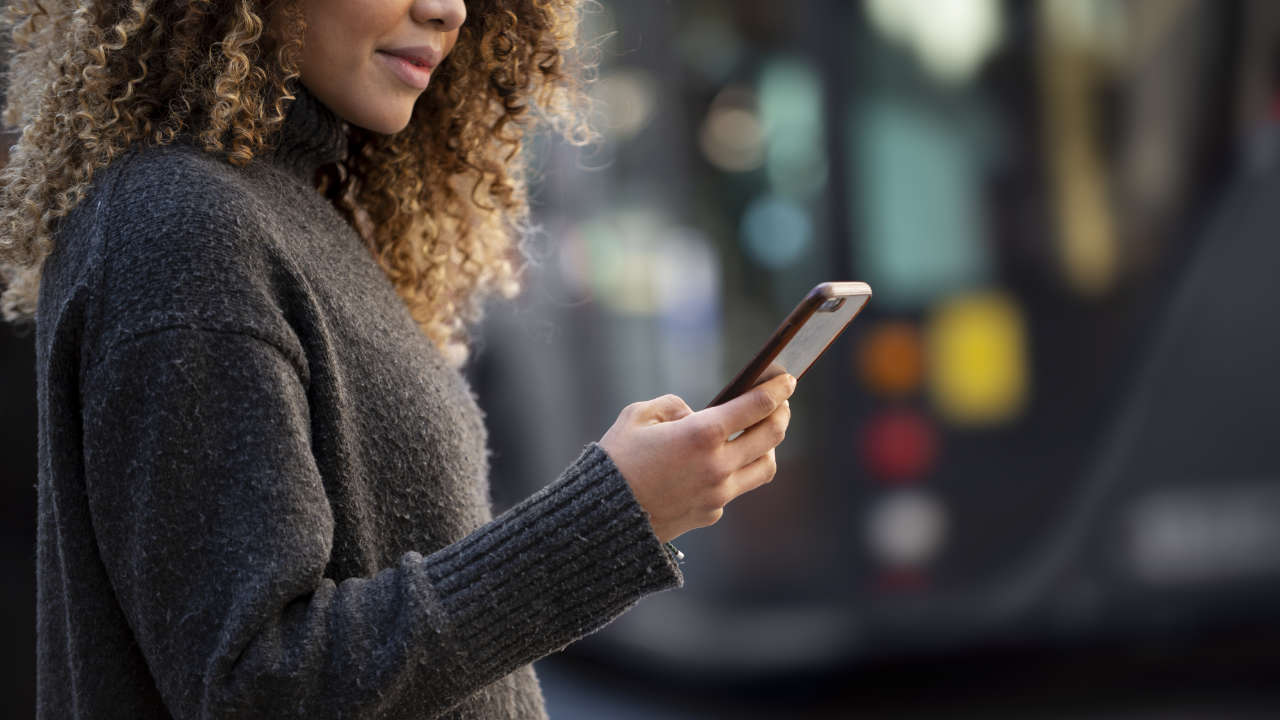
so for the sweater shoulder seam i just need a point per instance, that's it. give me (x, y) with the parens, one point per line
(296, 362)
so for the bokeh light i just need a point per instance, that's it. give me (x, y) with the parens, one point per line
(775, 232)
(890, 358)
(978, 356)
(1087, 241)
(732, 136)
(921, 222)
(621, 250)
(951, 38)
(899, 446)
(791, 110)
(906, 528)
(627, 98)
(686, 279)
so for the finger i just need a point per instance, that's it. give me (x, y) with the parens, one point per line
(757, 473)
(752, 406)
(759, 438)
(667, 409)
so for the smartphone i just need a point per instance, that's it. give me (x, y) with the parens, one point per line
(806, 333)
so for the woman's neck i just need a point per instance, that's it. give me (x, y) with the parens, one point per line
(310, 137)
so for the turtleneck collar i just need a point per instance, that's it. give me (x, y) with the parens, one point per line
(312, 135)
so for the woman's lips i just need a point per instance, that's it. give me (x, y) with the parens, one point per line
(410, 74)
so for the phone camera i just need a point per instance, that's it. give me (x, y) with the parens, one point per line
(831, 305)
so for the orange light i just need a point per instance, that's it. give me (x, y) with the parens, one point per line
(891, 359)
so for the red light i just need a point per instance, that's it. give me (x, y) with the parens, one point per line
(899, 446)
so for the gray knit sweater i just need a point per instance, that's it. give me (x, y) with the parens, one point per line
(263, 492)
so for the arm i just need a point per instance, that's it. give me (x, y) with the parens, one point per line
(213, 524)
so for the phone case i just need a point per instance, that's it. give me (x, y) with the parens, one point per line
(757, 370)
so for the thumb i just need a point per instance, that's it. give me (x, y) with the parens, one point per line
(668, 408)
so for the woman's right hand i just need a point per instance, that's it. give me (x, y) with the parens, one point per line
(681, 465)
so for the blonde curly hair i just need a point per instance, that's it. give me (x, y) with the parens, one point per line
(438, 204)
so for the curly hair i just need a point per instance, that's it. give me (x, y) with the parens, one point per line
(439, 204)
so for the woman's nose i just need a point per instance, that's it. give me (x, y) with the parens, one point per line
(448, 14)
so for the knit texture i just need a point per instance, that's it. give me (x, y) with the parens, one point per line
(262, 490)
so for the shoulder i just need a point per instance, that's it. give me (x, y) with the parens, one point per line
(175, 237)
(177, 191)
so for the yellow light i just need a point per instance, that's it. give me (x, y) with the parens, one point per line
(978, 359)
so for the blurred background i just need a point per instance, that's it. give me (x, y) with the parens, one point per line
(1040, 473)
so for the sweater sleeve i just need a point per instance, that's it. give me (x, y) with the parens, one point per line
(213, 525)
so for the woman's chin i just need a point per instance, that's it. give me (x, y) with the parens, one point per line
(386, 118)
(388, 123)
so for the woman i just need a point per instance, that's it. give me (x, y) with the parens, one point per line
(250, 238)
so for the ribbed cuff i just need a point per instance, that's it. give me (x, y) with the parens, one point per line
(552, 569)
